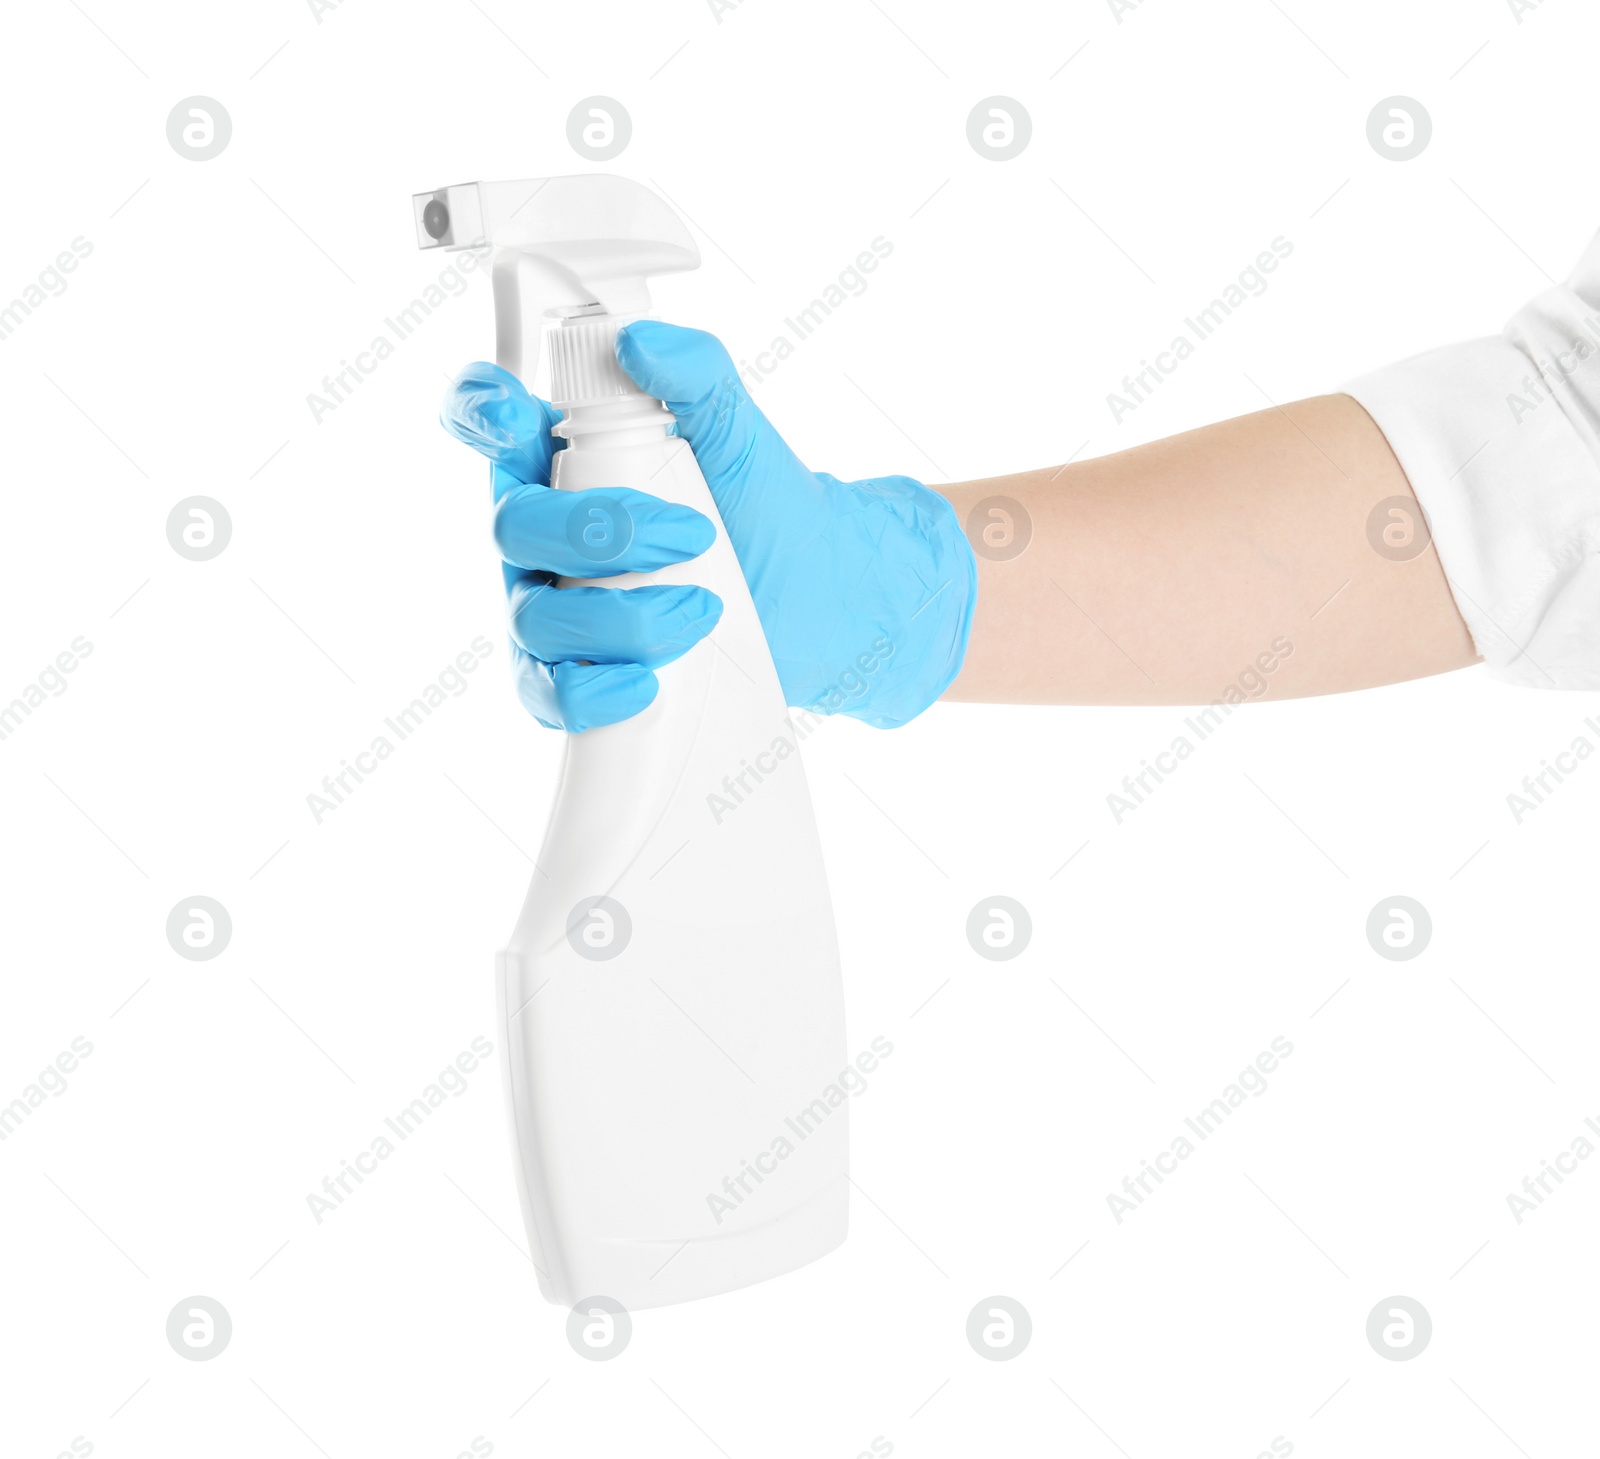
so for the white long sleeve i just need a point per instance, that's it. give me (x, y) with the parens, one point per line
(1500, 438)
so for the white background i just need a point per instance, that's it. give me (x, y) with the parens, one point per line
(1227, 1311)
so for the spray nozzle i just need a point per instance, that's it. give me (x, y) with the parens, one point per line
(435, 220)
(562, 246)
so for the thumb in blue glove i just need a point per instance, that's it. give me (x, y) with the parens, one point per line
(865, 589)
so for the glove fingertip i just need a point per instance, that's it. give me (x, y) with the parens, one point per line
(594, 695)
(704, 605)
(635, 354)
(489, 409)
(671, 362)
(696, 531)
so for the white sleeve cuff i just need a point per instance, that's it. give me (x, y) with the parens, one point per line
(1500, 439)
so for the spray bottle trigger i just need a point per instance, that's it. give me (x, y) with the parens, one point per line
(575, 242)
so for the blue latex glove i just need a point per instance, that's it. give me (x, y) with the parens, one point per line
(865, 589)
(581, 657)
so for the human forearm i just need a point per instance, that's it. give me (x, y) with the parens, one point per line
(1161, 574)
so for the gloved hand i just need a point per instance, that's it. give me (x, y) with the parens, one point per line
(865, 589)
(581, 657)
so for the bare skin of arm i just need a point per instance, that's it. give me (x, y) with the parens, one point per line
(1170, 572)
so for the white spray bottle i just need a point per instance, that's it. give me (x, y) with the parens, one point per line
(671, 1012)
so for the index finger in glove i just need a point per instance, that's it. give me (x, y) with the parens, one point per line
(491, 410)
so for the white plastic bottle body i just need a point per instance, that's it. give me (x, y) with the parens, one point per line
(669, 1051)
